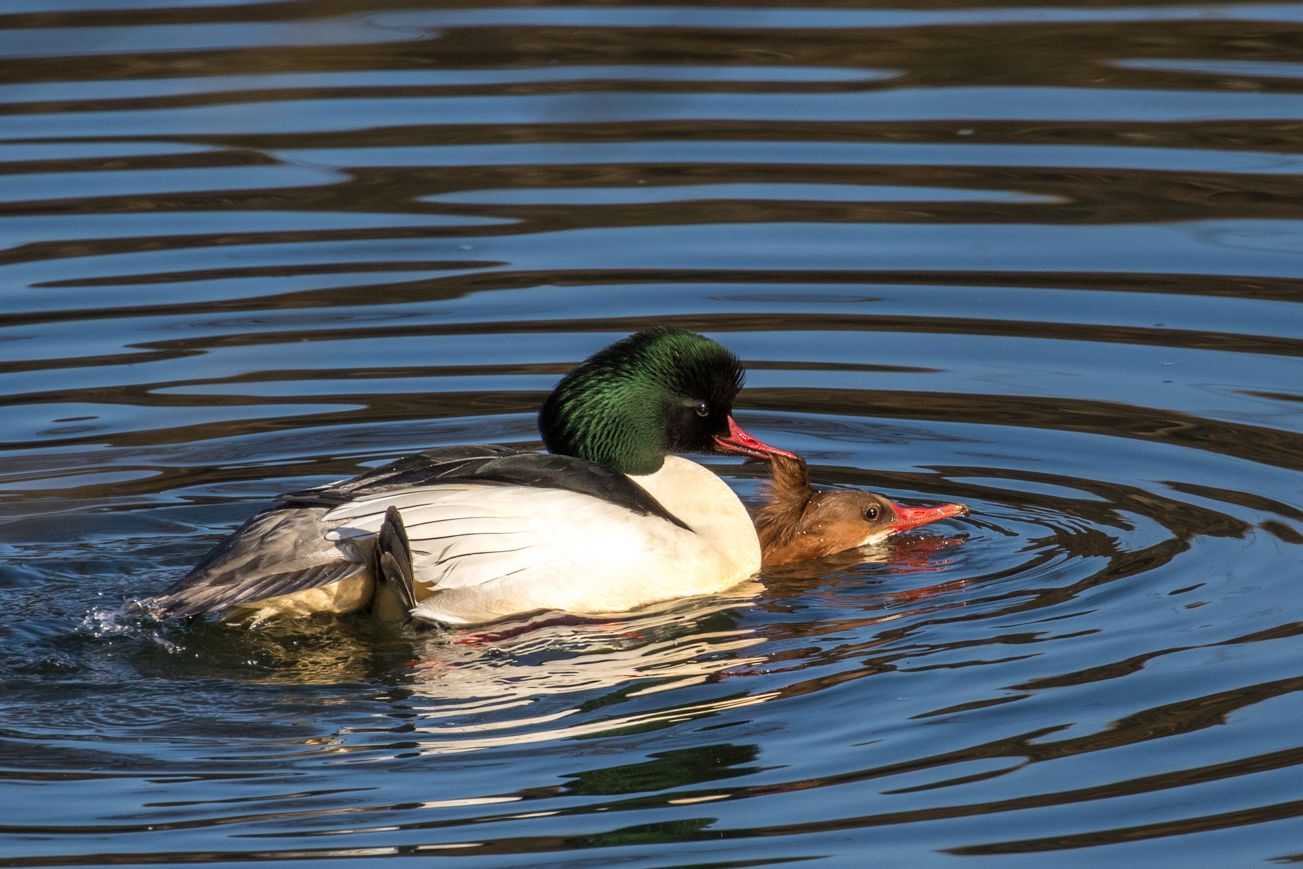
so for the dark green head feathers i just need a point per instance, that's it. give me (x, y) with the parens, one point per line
(656, 392)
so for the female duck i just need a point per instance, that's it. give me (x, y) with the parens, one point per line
(606, 521)
(799, 523)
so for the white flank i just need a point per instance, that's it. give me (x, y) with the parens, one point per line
(494, 551)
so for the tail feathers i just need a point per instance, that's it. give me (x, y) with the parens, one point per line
(395, 584)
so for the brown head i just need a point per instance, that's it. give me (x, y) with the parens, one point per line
(799, 523)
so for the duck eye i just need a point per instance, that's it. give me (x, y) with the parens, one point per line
(872, 514)
(702, 409)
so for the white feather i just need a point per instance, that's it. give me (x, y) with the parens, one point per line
(493, 551)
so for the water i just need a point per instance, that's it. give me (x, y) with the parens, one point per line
(1043, 260)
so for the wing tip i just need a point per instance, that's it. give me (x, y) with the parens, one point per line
(394, 558)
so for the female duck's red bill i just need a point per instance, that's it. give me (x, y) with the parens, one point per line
(738, 441)
(914, 517)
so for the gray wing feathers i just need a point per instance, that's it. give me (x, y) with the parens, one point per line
(278, 551)
(199, 598)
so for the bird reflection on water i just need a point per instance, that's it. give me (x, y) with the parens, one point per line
(549, 677)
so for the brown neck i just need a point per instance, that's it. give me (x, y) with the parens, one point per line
(780, 519)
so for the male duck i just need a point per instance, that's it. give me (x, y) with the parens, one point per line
(605, 521)
(798, 523)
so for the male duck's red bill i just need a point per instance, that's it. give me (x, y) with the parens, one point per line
(738, 441)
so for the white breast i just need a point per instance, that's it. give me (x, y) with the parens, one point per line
(489, 551)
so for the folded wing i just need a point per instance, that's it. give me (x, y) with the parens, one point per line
(491, 529)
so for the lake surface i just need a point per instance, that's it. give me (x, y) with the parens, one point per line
(1045, 260)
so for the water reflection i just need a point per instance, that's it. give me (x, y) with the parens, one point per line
(1040, 260)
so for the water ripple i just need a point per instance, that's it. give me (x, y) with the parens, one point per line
(1041, 260)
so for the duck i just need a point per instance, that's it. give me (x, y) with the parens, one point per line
(799, 523)
(609, 518)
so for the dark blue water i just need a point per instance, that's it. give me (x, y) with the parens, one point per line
(1043, 260)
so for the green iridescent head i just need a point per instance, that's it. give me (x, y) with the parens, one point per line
(656, 392)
